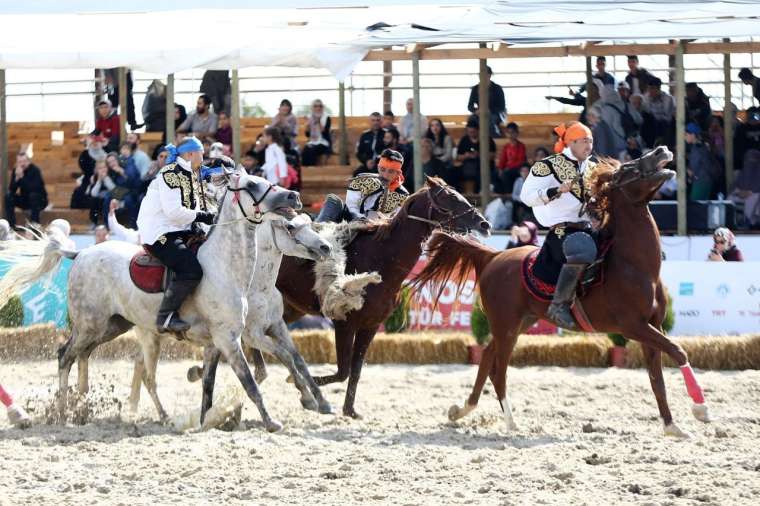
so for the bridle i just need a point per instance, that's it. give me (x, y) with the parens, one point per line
(257, 219)
(449, 217)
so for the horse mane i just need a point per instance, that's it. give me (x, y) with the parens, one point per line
(383, 227)
(599, 190)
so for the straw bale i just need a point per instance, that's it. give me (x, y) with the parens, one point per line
(710, 352)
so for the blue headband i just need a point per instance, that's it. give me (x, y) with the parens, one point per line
(188, 145)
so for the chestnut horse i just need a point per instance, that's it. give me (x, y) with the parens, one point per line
(631, 300)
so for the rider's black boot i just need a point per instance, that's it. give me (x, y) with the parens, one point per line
(332, 210)
(168, 320)
(564, 295)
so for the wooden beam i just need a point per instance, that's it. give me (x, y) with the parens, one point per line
(485, 134)
(387, 91)
(592, 92)
(3, 142)
(728, 123)
(680, 139)
(342, 121)
(235, 110)
(416, 133)
(122, 77)
(170, 131)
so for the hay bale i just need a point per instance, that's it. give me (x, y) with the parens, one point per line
(572, 351)
(35, 342)
(709, 352)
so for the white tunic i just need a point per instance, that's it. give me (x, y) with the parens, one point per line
(275, 165)
(171, 203)
(549, 173)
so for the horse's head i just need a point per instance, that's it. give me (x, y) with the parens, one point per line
(296, 238)
(257, 196)
(639, 179)
(448, 209)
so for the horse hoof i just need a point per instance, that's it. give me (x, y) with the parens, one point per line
(260, 376)
(672, 430)
(274, 426)
(352, 414)
(309, 404)
(18, 417)
(194, 374)
(701, 413)
(326, 409)
(454, 413)
(512, 427)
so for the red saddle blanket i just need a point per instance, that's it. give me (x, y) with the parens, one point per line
(147, 272)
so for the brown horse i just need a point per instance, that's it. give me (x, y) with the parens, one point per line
(631, 300)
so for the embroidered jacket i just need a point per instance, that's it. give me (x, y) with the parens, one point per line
(539, 189)
(172, 202)
(367, 196)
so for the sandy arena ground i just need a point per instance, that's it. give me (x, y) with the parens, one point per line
(587, 436)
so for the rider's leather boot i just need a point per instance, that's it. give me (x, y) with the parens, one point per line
(332, 210)
(168, 320)
(564, 295)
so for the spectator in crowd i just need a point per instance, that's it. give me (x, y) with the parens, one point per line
(747, 77)
(118, 231)
(25, 191)
(638, 78)
(112, 90)
(370, 144)
(724, 247)
(202, 123)
(107, 125)
(140, 157)
(622, 119)
(215, 84)
(632, 150)
(701, 169)
(605, 142)
(392, 140)
(498, 212)
(467, 177)
(443, 145)
(101, 184)
(519, 210)
(251, 164)
(747, 134)
(275, 167)
(318, 138)
(155, 166)
(662, 107)
(388, 121)
(512, 157)
(576, 98)
(747, 188)
(431, 166)
(154, 107)
(697, 106)
(538, 154)
(101, 233)
(286, 121)
(224, 132)
(407, 123)
(180, 115)
(124, 181)
(605, 80)
(497, 105)
(87, 159)
(524, 234)
(716, 138)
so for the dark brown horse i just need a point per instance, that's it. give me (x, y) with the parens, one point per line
(631, 300)
(391, 249)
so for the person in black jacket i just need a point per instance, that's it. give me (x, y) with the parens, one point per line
(370, 144)
(497, 105)
(26, 191)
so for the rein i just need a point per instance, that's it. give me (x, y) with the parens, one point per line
(258, 217)
(449, 216)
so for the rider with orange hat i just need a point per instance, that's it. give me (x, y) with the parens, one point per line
(555, 190)
(369, 194)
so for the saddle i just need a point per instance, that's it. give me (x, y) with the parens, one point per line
(148, 273)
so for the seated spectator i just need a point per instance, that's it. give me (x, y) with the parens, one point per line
(118, 231)
(638, 78)
(87, 159)
(747, 77)
(251, 164)
(716, 139)
(318, 138)
(124, 173)
(497, 105)
(101, 233)
(154, 107)
(538, 154)
(443, 145)
(407, 123)
(275, 167)
(698, 108)
(140, 157)
(155, 166)
(631, 152)
(512, 157)
(370, 144)
(431, 166)
(498, 212)
(605, 143)
(392, 140)
(747, 188)
(701, 169)
(389, 120)
(662, 107)
(202, 123)
(107, 125)
(724, 247)
(25, 191)
(747, 135)
(224, 132)
(524, 234)
(100, 186)
(520, 210)
(467, 176)
(286, 121)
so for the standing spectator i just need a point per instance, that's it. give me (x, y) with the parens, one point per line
(216, 85)
(497, 105)
(443, 145)
(431, 166)
(370, 144)
(286, 121)
(407, 123)
(107, 125)
(275, 166)
(747, 188)
(224, 131)
(512, 157)
(98, 189)
(662, 107)
(578, 99)
(716, 138)
(318, 139)
(605, 142)
(747, 77)
(467, 178)
(112, 90)
(620, 116)
(747, 134)
(202, 123)
(605, 79)
(697, 106)
(519, 210)
(251, 164)
(26, 190)
(701, 168)
(140, 157)
(524, 234)
(638, 78)
(154, 107)
(388, 121)
(724, 247)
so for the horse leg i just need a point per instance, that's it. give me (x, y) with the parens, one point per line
(66, 357)
(363, 339)
(137, 375)
(653, 360)
(259, 365)
(211, 356)
(151, 349)
(484, 369)
(229, 345)
(83, 362)
(503, 352)
(344, 340)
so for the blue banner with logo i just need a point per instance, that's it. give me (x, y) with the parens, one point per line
(43, 304)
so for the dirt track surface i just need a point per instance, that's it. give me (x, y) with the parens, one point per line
(586, 436)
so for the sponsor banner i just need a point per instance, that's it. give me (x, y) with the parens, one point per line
(714, 297)
(46, 302)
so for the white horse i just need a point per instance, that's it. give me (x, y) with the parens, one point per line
(104, 302)
(264, 329)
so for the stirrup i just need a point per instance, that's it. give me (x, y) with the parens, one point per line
(561, 315)
(172, 323)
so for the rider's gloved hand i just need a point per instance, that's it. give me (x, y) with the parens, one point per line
(204, 217)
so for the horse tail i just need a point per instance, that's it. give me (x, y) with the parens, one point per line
(29, 267)
(451, 258)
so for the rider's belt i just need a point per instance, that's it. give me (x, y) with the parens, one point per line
(560, 228)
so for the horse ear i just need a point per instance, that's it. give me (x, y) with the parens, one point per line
(430, 181)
